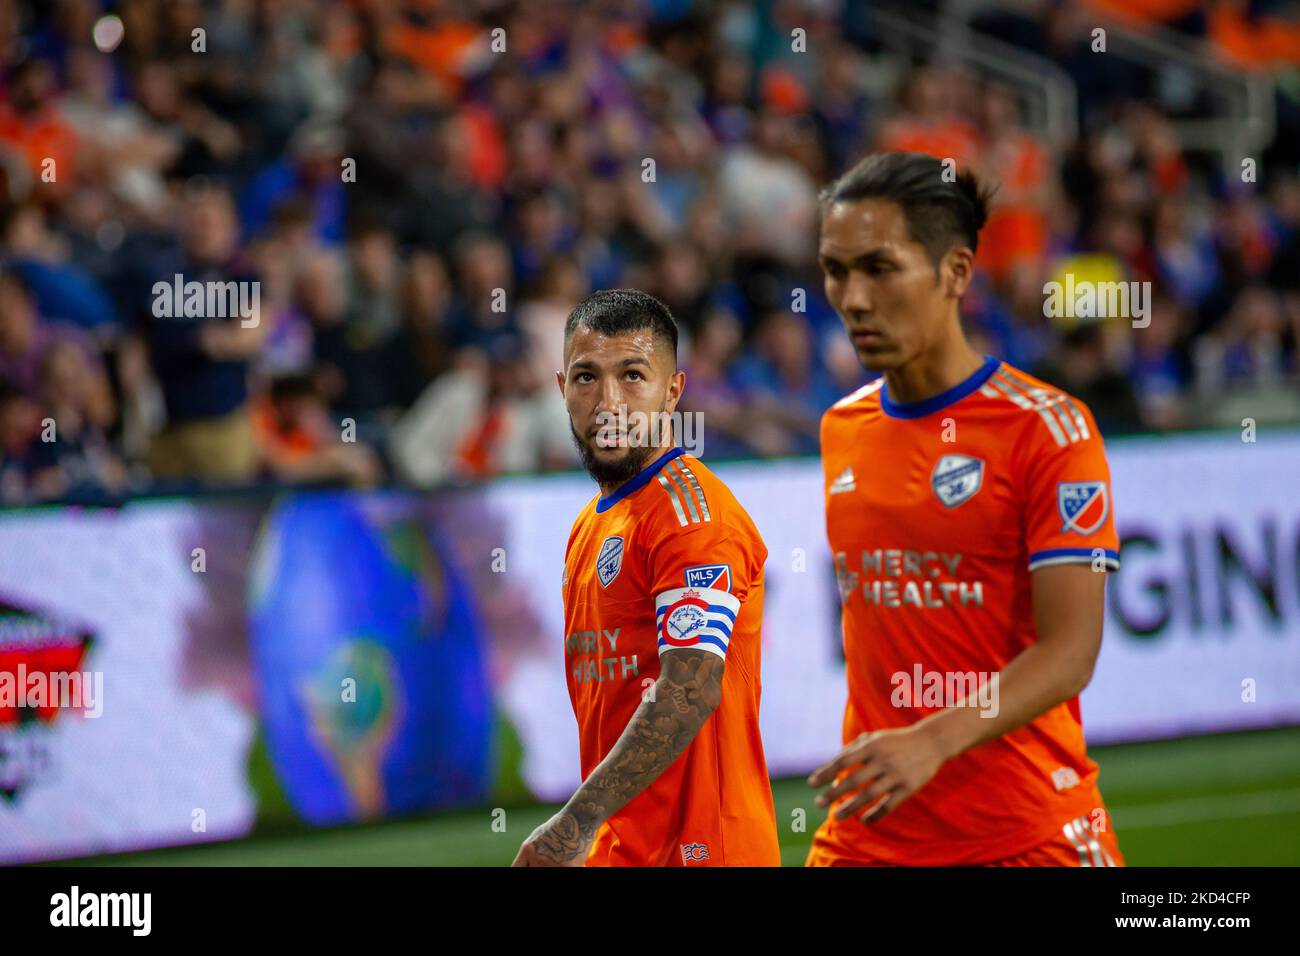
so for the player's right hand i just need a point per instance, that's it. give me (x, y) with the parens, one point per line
(557, 842)
(884, 767)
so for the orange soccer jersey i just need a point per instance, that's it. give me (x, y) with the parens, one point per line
(671, 560)
(937, 513)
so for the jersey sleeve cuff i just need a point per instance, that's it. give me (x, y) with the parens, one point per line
(1043, 559)
(696, 618)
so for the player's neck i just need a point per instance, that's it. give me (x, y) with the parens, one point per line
(607, 489)
(933, 372)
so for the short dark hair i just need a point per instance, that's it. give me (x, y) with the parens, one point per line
(293, 385)
(11, 394)
(620, 311)
(941, 211)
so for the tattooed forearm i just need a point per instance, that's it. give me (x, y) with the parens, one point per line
(688, 690)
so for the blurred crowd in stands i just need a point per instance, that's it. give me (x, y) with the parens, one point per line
(421, 210)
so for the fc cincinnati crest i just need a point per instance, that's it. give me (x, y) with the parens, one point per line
(684, 620)
(1083, 505)
(956, 478)
(609, 560)
(694, 851)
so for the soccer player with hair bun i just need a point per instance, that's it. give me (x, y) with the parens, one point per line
(969, 514)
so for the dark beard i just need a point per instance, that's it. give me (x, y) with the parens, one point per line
(612, 473)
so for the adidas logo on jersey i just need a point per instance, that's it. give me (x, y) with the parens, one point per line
(684, 489)
(844, 482)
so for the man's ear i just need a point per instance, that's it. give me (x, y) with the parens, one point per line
(676, 385)
(958, 269)
(559, 380)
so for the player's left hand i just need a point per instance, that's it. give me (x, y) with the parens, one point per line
(557, 842)
(889, 764)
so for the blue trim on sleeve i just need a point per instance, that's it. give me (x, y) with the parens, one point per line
(1076, 555)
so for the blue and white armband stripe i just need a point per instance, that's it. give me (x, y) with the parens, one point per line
(695, 617)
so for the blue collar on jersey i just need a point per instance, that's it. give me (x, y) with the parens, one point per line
(640, 481)
(935, 402)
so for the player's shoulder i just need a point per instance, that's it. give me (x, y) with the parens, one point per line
(687, 497)
(1044, 412)
(851, 411)
(686, 492)
(588, 511)
(585, 517)
(867, 396)
(1007, 371)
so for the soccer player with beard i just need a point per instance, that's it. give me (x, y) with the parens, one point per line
(968, 510)
(663, 604)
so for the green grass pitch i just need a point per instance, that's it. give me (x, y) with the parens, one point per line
(1226, 800)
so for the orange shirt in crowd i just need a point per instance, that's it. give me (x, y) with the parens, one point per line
(38, 138)
(1016, 231)
(285, 442)
(948, 139)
